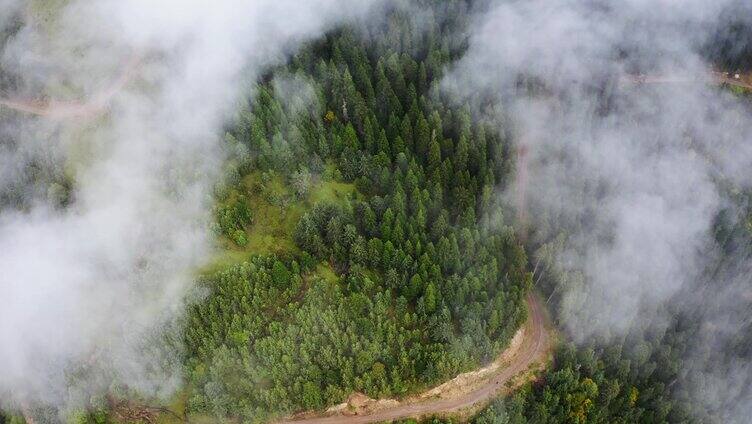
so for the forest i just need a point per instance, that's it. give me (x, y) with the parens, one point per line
(375, 265)
(362, 247)
(404, 273)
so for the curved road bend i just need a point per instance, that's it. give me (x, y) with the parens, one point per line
(531, 351)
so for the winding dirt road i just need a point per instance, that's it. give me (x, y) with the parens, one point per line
(533, 350)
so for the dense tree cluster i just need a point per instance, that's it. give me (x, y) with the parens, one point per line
(231, 219)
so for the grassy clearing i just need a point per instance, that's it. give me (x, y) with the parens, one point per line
(275, 215)
(276, 211)
(330, 191)
(325, 272)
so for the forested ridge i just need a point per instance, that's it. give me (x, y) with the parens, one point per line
(364, 203)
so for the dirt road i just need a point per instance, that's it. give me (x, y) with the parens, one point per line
(68, 109)
(533, 350)
(711, 78)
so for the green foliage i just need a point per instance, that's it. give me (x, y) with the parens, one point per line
(232, 217)
(239, 237)
(360, 255)
(588, 386)
(374, 274)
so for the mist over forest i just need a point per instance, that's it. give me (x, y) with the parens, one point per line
(482, 211)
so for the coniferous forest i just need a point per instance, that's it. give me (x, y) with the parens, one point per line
(390, 269)
(376, 266)
(363, 244)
